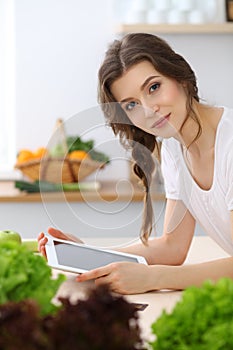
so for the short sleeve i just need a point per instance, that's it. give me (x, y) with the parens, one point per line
(169, 168)
(229, 177)
(224, 156)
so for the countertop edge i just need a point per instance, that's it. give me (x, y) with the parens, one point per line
(109, 191)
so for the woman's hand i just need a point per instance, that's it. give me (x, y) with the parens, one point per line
(42, 240)
(122, 277)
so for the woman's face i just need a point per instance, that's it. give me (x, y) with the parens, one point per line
(152, 102)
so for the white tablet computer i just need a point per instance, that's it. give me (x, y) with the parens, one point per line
(79, 258)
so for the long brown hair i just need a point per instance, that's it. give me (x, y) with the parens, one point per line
(120, 56)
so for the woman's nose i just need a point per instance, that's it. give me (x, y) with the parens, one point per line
(148, 112)
(150, 109)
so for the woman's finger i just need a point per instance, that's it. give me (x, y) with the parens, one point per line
(43, 251)
(94, 274)
(61, 235)
(57, 233)
(42, 240)
(40, 236)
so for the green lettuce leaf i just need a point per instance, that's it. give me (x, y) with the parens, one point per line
(202, 319)
(25, 275)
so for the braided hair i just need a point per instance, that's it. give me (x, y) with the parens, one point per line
(120, 56)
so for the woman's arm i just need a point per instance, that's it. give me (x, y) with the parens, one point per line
(181, 277)
(172, 247)
(129, 278)
(232, 225)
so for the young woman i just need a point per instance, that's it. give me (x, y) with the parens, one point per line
(149, 91)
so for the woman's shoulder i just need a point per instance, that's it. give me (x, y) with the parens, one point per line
(170, 151)
(225, 127)
(224, 142)
(227, 116)
(170, 145)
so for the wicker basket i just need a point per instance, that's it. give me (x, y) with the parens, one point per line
(59, 170)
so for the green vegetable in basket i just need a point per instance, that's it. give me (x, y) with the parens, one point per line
(76, 143)
(25, 275)
(202, 320)
(99, 156)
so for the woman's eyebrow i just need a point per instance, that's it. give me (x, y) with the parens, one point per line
(141, 88)
(148, 80)
(126, 99)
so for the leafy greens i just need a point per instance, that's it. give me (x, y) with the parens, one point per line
(24, 275)
(202, 320)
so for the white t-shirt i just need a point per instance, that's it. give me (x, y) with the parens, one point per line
(211, 208)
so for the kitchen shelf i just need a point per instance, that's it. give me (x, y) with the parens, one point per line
(109, 191)
(210, 28)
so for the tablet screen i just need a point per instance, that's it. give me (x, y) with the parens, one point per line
(84, 257)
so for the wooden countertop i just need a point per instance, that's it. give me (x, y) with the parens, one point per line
(202, 249)
(109, 191)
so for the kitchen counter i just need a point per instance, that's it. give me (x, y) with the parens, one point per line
(202, 249)
(108, 191)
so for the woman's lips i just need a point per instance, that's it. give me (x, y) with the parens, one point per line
(161, 122)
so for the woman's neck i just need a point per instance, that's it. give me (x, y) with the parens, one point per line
(209, 118)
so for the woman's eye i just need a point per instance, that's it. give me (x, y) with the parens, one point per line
(154, 87)
(129, 106)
